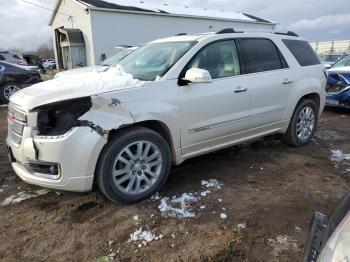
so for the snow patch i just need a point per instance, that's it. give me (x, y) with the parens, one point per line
(178, 207)
(338, 156)
(223, 216)
(115, 78)
(156, 196)
(211, 183)
(19, 197)
(297, 228)
(182, 10)
(205, 193)
(144, 236)
(242, 226)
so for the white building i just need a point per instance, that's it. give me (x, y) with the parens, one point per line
(87, 30)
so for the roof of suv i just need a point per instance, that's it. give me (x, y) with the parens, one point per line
(230, 33)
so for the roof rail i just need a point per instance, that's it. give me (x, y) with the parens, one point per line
(182, 34)
(290, 33)
(228, 31)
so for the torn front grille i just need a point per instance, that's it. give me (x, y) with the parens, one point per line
(16, 120)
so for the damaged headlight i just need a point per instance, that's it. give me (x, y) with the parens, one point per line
(58, 118)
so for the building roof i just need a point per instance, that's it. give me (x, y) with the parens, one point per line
(141, 6)
(74, 36)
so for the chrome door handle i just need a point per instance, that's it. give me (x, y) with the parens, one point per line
(286, 82)
(240, 89)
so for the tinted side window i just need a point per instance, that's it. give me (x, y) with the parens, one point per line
(261, 55)
(220, 59)
(302, 51)
(2, 58)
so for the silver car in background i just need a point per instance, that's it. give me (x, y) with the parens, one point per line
(110, 61)
(12, 58)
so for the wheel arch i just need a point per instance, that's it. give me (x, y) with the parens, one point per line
(312, 96)
(155, 125)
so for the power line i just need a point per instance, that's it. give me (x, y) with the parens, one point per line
(43, 7)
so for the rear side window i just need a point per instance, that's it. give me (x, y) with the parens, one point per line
(302, 51)
(262, 55)
(2, 58)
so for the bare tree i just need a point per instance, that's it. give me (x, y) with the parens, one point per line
(46, 50)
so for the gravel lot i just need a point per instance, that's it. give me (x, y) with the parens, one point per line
(260, 210)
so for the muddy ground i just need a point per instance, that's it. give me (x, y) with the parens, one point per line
(268, 186)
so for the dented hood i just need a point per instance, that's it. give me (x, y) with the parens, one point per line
(343, 69)
(74, 86)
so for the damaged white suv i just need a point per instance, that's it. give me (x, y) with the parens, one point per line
(170, 100)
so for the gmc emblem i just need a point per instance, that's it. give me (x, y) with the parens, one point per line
(11, 116)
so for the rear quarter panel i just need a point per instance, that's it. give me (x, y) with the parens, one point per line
(309, 79)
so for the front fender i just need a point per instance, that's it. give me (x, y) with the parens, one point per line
(106, 114)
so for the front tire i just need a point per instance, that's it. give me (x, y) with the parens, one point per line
(303, 124)
(134, 165)
(8, 90)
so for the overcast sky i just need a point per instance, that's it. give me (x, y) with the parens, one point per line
(24, 26)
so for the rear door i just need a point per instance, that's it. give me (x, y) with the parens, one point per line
(271, 81)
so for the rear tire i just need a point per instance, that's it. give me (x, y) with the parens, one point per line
(303, 124)
(134, 165)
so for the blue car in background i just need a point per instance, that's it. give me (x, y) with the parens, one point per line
(338, 84)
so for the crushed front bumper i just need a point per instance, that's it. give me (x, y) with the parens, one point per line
(75, 154)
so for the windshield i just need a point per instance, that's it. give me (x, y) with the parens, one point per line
(345, 61)
(115, 59)
(154, 60)
(329, 58)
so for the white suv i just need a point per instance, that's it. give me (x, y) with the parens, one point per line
(170, 100)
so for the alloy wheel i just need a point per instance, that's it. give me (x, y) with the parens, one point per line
(9, 90)
(137, 167)
(305, 123)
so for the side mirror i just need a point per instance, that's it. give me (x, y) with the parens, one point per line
(197, 75)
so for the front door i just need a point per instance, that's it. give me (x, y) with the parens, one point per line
(212, 113)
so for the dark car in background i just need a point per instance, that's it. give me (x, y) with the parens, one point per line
(12, 58)
(14, 78)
